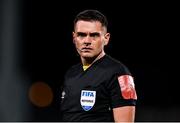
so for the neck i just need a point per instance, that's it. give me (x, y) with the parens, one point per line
(90, 61)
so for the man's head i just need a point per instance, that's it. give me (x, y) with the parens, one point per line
(90, 33)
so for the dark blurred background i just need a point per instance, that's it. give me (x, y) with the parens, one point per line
(36, 49)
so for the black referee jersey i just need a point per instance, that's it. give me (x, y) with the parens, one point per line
(91, 95)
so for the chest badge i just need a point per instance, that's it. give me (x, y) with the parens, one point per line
(88, 99)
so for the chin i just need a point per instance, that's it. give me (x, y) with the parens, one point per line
(87, 55)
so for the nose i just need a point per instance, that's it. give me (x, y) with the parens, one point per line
(87, 40)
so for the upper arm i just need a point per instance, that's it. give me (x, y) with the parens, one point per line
(124, 114)
(123, 99)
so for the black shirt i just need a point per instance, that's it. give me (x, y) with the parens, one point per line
(92, 94)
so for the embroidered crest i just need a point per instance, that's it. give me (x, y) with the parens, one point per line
(88, 99)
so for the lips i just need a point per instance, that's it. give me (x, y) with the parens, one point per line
(86, 49)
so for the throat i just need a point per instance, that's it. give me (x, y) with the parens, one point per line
(87, 62)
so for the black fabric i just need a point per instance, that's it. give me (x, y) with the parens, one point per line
(100, 77)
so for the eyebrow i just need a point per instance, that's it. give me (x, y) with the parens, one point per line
(93, 34)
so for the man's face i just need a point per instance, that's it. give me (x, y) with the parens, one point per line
(90, 38)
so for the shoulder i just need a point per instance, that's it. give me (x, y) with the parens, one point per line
(114, 65)
(73, 69)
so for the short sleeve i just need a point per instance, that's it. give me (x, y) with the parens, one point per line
(122, 91)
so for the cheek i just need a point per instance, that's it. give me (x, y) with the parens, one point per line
(99, 44)
(77, 43)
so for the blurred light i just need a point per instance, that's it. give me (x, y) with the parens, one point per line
(40, 94)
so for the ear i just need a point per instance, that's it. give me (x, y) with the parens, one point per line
(106, 38)
(73, 35)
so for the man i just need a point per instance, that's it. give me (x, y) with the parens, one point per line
(99, 88)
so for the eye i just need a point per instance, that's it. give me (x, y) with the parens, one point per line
(94, 34)
(81, 34)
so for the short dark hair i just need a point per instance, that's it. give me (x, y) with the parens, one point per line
(91, 15)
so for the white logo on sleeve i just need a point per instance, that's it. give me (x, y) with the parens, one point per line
(88, 99)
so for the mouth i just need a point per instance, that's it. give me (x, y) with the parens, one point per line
(86, 49)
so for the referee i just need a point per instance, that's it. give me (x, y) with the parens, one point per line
(99, 88)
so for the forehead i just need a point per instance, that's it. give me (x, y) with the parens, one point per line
(88, 26)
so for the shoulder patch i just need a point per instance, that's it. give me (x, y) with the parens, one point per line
(127, 86)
